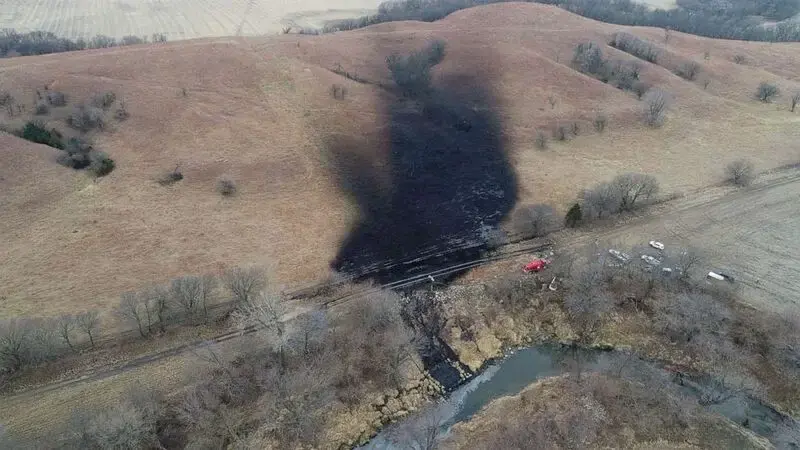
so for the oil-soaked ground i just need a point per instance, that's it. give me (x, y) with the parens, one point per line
(449, 180)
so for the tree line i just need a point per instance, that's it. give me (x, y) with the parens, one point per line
(726, 20)
(14, 43)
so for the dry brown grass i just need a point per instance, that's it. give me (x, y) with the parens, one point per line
(259, 111)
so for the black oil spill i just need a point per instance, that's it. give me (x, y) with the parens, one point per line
(447, 177)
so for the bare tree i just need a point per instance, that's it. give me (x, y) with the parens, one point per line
(535, 220)
(265, 313)
(124, 425)
(423, 431)
(600, 122)
(587, 303)
(795, 100)
(244, 283)
(14, 344)
(45, 340)
(689, 70)
(132, 309)
(655, 110)
(89, 323)
(66, 326)
(187, 293)
(208, 284)
(766, 92)
(686, 317)
(158, 305)
(633, 186)
(600, 201)
(541, 140)
(740, 172)
(687, 260)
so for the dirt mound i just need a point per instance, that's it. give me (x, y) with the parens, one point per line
(310, 168)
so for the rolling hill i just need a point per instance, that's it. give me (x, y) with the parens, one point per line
(319, 178)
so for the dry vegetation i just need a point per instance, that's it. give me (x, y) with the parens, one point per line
(219, 129)
(264, 112)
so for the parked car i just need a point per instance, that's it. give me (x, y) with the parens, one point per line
(657, 245)
(651, 260)
(619, 255)
(535, 265)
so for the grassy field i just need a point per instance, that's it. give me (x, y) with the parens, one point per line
(177, 19)
(260, 111)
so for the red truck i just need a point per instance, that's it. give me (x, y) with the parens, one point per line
(535, 265)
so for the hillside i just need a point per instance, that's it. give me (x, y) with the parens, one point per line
(306, 165)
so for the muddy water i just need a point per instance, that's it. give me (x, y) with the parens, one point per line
(521, 368)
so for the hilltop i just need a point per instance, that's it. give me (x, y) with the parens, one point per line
(261, 112)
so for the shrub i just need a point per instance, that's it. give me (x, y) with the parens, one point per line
(740, 172)
(794, 101)
(226, 187)
(55, 98)
(635, 46)
(85, 118)
(100, 164)
(104, 100)
(41, 108)
(588, 58)
(575, 128)
(688, 71)
(600, 122)
(35, 131)
(338, 91)
(171, 177)
(574, 216)
(6, 98)
(655, 109)
(640, 88)
(561, 133)
(535, 220)
(739, 59)
(541, 140)
(766, 92)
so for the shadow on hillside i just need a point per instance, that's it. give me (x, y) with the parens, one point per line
(447, 177)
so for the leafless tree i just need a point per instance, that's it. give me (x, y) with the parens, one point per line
(45, 340)
(600, 122)
(422, 431)
(685, 317)
(124, 425)
(687, 260)
(265, 313)
(766, 92)
(634, 186)
(208, 284)
(655, 110)
(600, 201)
(244, 283)
(308, 332)
(587, 302)
(89, 323)
(14, 344)
(66, 326)
(795, 100)
(740, 172)
(541, 140)
(689, 70)
(187, 293)
(535, 220)
(132, 309)
(158, 305)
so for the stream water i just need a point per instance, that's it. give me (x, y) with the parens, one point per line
(518, 369)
